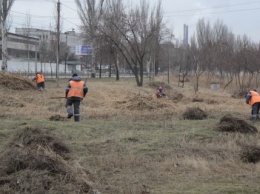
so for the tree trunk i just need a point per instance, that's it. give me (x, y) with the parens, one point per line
(4, 46)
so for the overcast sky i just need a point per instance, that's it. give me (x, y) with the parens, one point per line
(241, 16)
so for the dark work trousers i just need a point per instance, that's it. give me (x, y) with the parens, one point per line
(255, 110)
(41, 86)
(72, 106)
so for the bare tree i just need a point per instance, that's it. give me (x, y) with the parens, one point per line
(228, 59)
(51, 54)
(137, 27)
(183, 60)
(166, 54)
(90, 12)
(4, 12)
(131, 30)
(113, 11)
(216, 51)
(222, 53)
(43, 49)
(195, 56)
(247, 62)
(200, 51)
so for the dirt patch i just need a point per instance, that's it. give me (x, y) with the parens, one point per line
(57, 118)
(229, 123)
(250, 154)
(35, 161)
(16, 82)
(194, 114)
(140, 102)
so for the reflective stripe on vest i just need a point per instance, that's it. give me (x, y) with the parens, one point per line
(40, 78)
(76, 89)
(255, 97)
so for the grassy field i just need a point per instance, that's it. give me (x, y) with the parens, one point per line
(128, 143)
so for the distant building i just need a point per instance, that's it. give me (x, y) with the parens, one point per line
(185, 35)
(17, 45)
(69, 39)
(32, 44)
(72, 39)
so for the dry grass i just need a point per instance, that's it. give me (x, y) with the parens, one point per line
(229, 123)
(194, 113)
(128, 143)
(36, 161)
(250, 153)
(115, 99)
(16, 82)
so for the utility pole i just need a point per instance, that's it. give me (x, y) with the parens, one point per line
(58, 42)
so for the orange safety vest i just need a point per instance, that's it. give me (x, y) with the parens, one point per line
(39, 78)
(76, 89)
(255, 97)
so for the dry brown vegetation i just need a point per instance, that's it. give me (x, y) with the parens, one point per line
(229, 123)
(35, 161)
(194, 113)
(15, 82)
(127, 142)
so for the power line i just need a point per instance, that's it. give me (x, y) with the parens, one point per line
(71, 22)
(41, 20)
(41, 16)
(177, 13)
(38, 16)
(52, 1)
(69, 7)
(215, 7)
(211, 13)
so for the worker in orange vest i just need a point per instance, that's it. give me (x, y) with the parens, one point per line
(40, 81)
(253, 99)
(75, 92)
(160, 93)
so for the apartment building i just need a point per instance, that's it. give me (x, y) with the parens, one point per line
(70, 39)
(20, 45)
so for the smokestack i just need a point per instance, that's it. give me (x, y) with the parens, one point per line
(185, 35)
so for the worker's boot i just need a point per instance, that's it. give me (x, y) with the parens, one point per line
(76, 118)
(69, 116)
(70, 111)
(254, 118)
